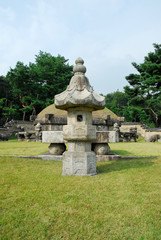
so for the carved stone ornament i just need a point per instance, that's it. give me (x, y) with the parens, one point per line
(79, 91)
(79, 100)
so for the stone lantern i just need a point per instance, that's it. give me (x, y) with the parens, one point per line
(79, 100)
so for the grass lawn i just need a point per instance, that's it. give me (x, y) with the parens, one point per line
(136, 148)
(122, 202)
(13, 147)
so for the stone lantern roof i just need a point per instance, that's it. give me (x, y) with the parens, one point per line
(79, 92)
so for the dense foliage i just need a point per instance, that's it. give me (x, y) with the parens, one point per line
(145, 88)
(141, 100)
(27, 89)
(117, 102)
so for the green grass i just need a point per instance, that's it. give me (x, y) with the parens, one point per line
(13, 147)
(122, 202)
(136, 148)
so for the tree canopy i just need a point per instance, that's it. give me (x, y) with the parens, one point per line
(27, 89)
(144, 91)
(116, 102)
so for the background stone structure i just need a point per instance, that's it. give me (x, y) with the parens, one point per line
(52, 127)
(150, 134)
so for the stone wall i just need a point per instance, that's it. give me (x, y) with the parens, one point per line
(3, 130)
(14, 126)
(145, 131)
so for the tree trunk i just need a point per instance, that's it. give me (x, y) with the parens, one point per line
(24, 114)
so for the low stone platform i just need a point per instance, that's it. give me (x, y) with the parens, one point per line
(47, 156)
(60, 157)
(110, 156)
(99, 158)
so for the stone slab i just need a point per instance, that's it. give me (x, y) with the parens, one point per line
(52, 137)
(113, 136)
(99, 158)
(79, 163)
(104, 158)
(102, 137)
(48, 156)
(79, 132)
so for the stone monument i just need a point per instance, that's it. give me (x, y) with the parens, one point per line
(79, 100)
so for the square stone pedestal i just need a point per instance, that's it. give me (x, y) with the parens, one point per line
(79, 163)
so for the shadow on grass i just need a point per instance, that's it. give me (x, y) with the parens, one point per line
(123, 164)
(122, 152)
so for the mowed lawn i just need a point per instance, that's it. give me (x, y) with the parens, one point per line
(13, 147)
(136, 148)
(122, 202)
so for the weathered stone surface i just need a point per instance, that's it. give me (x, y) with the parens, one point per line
(79, 163)
(116, 127)
(79, 146)
(101, 148)
(79, 132)
(20, 136)
(48, 156)
(79, 100)
(38, 132)
(30, 136)
(102, 137)
(104, 158)
(79, 92)
(113, 136)
(51, 127)
(154, 138)
(99, 121)
(57, 148)
(50, 119)
(101, 128)
(38, 127)
(27, 136)
(79, 116)
(52, 137)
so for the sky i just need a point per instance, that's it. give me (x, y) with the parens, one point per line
(108, 34)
